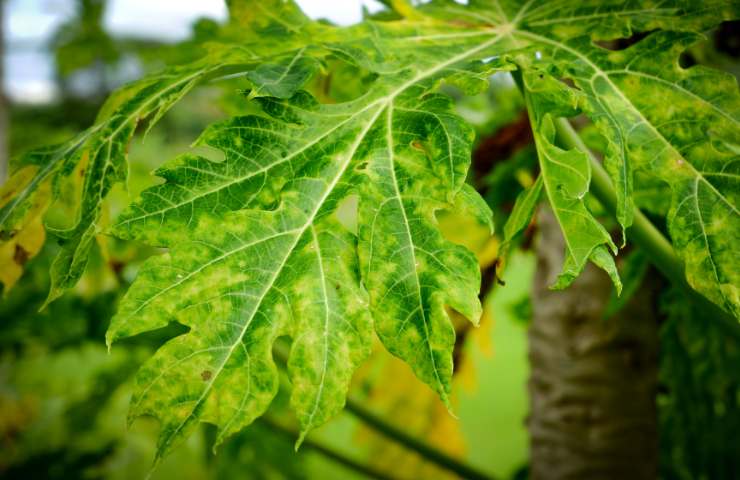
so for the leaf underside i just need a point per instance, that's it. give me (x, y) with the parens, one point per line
(255, 249)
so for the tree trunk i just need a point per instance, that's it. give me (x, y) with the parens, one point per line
(593, 380)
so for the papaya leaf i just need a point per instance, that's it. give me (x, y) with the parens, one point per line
(256, 250)
(521, 215)
(240, 276)
(104, 146)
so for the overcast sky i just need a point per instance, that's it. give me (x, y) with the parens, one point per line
(30, 23)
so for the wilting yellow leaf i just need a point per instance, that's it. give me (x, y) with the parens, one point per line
(27, 235)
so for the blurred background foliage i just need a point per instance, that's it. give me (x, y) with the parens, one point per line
(63, 397)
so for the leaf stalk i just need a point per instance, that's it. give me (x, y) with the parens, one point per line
(398, 435)
(328, 452)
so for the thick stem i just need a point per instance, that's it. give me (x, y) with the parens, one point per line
(328, 452)
(399, 436)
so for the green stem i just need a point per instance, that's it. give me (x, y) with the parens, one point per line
(398, 435)
(328, 452)
(429, 453)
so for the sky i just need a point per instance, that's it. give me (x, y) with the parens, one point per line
(30, 23)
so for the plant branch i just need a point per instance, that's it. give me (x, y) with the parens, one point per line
(429, 453)
(398, 435)
(328, 452)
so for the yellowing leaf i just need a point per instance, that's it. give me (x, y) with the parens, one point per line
(26, 234)
(15, 253)
(254, 245)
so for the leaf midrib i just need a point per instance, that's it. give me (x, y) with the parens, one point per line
(412, 246)
(317, 400)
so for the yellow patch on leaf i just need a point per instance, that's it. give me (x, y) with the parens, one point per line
(26, 236)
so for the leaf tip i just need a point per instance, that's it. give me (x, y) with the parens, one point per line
(155, 465)
(617, 284)
(450, 410)
(54, 293)
(217, 443)
(445, 397)
(300, 440)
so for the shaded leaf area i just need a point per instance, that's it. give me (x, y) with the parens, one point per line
(699, 402)
(565, 178)
(679, 126)
(256, 250)
(634, 96)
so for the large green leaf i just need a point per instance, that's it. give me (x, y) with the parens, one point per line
(256, 249)
(240, 279)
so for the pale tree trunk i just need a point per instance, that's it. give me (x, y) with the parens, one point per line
(593, 380)
(4, 153)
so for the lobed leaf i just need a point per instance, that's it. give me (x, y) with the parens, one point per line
(256, 248)
(239, 279)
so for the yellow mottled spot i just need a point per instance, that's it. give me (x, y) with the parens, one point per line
(15, 253)
(616, 57)
(28, 234)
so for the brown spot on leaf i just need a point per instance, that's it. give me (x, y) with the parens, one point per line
(20, 256)
(206, 375)
(117, 266)
(419, 145)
